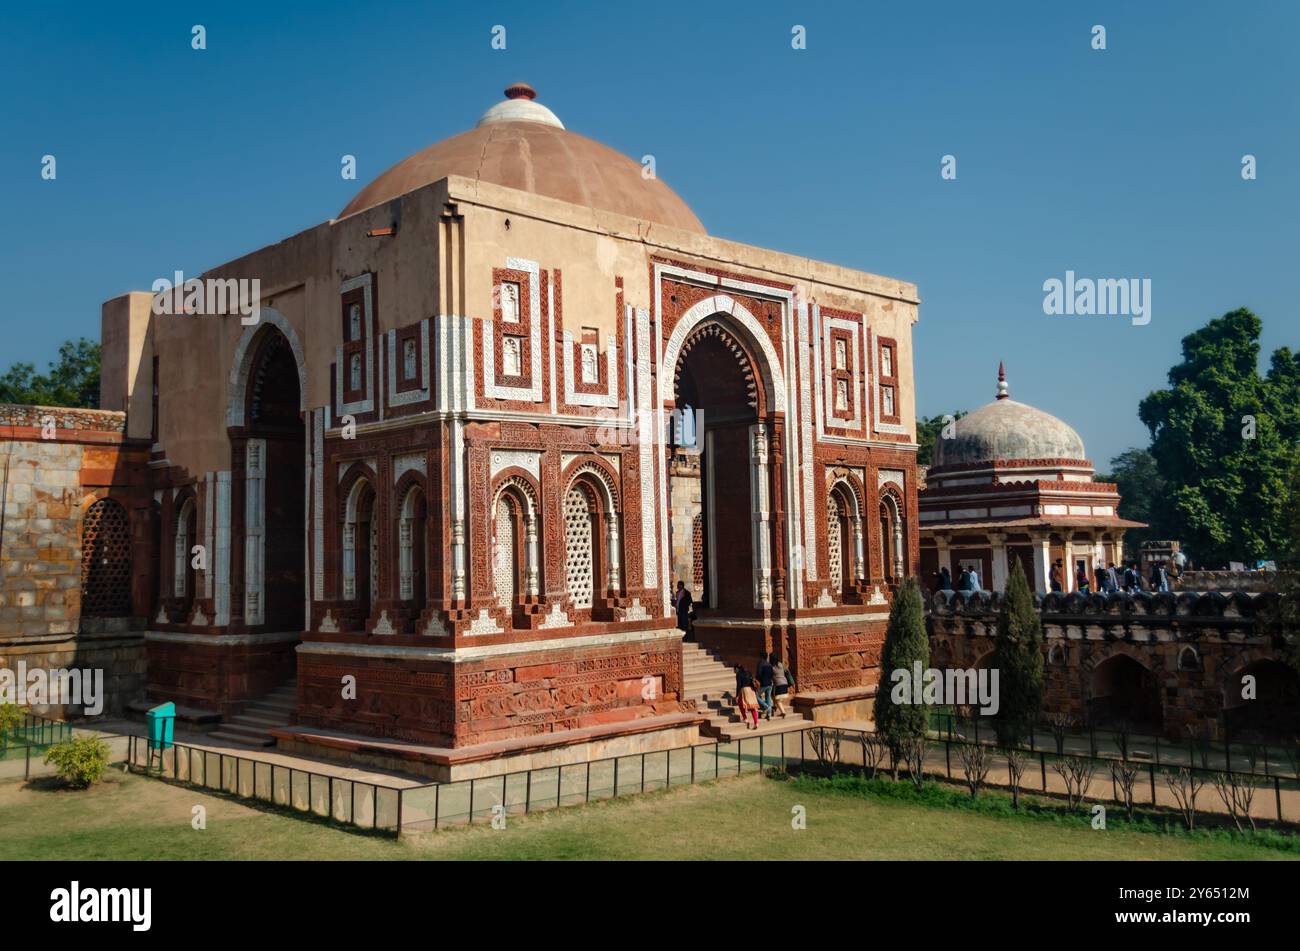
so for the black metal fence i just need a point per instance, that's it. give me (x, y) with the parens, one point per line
(831, 741)
(349, 801)
(27, 740)
(494, 798)
(1235, 756)
(398, 809)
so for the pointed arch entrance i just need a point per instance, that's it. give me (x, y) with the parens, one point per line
(268, 480)
(720, 465)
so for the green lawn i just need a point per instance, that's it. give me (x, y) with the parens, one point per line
(131, 817)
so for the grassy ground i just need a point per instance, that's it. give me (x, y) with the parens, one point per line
(130, 817)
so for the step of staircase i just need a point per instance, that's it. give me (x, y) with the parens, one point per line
(711, 683)
(238, 736)
(253, 727)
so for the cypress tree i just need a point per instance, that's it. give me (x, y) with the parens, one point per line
(1018, 658)
(906, 643)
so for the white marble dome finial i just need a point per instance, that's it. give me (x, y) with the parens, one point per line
(1002, 381)
(520, 106)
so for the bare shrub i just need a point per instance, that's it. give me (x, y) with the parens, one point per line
(914, 751)
(1185, 785)
(1237, 790)
(975, 764)
(1017, 763)
(826, 744)
(874, 751)
(1125, 775)
(1077, 772)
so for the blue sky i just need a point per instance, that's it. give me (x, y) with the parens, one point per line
(1119, 163)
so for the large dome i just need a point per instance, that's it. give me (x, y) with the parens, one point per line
(1005, 430)
(521, 144)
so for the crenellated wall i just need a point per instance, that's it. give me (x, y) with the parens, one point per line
(1192, 649)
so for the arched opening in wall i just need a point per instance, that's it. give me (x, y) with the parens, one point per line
(412, 543)
(105, 560)
(1125, 694)
(843, 532)
(717, 405)
(184, 537)
(1274, 710)
(275, 470)
(581, 557)
(515, 545)
(361, 547)
(507, 544)
(893, 556)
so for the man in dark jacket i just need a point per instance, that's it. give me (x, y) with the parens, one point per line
(685, 605)
(765, 683)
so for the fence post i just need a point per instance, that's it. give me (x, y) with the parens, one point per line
(692, 766)
(643, 772)
(588, 796)
(947, 754)
(1153, 784)
(471, 801)
(528, 790)
(760, 753)
(1042, 765)
(27, 764)
(615, 796)
(1277, 793)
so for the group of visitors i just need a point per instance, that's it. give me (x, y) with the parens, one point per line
(1111, 580)
(967, 580)
(763, 691)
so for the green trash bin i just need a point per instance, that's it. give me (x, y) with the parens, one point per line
(160, 720)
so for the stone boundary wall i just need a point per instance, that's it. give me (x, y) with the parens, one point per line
(1231, 580)
(65, 417)
(1194, 647)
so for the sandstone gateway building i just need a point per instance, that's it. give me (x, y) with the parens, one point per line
(485, 421)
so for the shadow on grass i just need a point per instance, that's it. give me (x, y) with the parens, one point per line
(274, 809)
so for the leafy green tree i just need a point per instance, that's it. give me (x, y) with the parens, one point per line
(927, 431)
(1291, 556)
(1224, 439)
(1018, 658)
(906, 643)
(72, 381)
(1283, 620)
(1143, 496)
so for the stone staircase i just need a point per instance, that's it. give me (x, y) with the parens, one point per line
(253, 726)
(711, 684)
